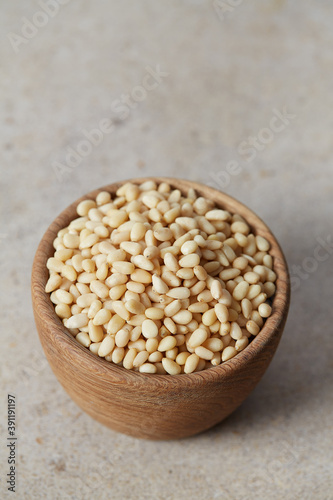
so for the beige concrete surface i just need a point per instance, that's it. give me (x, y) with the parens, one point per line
(201, 81)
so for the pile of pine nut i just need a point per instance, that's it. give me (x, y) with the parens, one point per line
(158, 281)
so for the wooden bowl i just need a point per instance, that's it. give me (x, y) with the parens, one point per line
(156, 406)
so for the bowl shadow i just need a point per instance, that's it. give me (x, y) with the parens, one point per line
(300, 376)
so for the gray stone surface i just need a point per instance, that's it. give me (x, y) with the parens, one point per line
(228, 75)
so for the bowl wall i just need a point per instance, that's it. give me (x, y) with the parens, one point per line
(156, 406)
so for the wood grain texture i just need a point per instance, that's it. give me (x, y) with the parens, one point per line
(156, 406)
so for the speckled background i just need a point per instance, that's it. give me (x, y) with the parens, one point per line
(228, 68)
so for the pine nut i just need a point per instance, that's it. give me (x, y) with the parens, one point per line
(158, 281)
(258, 300)
(151, 252)
(170, 325)
(240, 227)
(95, 306)
(205, 296)
(116, 279)
(252, 327)
(117, 355)
(122, 338)
(53, 283)
(117, 292)
(225, 328)
(69, 272)
(172, 308)
(151, 345)
(95, 332)
(139, 344)
(268, 261)
(190, 260)
(262, 244)
(149, 329)
(198, 288)
(83, 339)
(216, 359)
(197, 338)
(221, 312)
(63, 311)
(179, 293)
(186, 273)
(103, 197)
(213, 344)
(252, 278)
(141, 276)
(198, 307)
(171, 366)
(77, 263)
(159, 285)
(189, 247)
(71, 240)
(204, 353)
(99, 289)
(142, 263)
(147, 368)
(54, 265)
(217, 215)
(200, 273)
(77, 321)
(182, 317)
(240, 290)
(115, 324)
(88, 265)
(103, 316)
(84, 207)
(135, 287)
(137, 320)
(229, 253)
(264, 310)
(246, 308)
(154, 313)
(120, 309)
(209, 317)
(131, 247)
(171, 262)
(89, 241)
(155, 357)
(167, 343)
(129, 358)
(140, 358)
(182, 357)
(163, 234)
(124, 267)
(86, 300)
(228, 353)
(235, 331)
(216, 289)
(138, 231)
(106, 346)
(191, 363)
(241, 343)
(94, 346)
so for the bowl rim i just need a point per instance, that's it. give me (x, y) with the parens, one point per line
(58, 333)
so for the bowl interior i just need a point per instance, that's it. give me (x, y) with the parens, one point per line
(44, 308)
